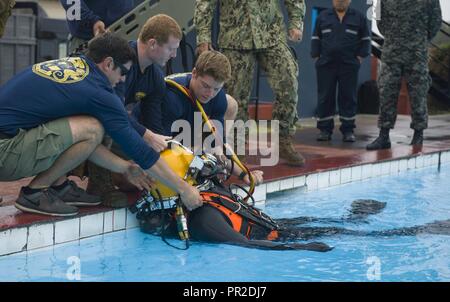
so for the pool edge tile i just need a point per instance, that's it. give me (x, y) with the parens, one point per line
(40, 235)
(67, 230)
(91, 225)
(287, 184)
(13, 241)
(119, 219)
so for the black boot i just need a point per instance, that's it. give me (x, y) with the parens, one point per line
(382, 141)
(417, 138)
(324, 136)
(348, 137)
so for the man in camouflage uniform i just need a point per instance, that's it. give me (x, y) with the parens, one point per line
(408, 26)
(254, 31)
(5, 11)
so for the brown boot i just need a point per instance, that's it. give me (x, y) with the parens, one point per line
(101, 184)
(288, 152)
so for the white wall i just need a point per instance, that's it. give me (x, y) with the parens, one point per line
(445, 5)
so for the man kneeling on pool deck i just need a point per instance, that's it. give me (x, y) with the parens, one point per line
(189, 94)
(53, 116)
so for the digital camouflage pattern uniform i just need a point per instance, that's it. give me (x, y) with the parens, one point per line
(5, 11)
(408, 26)
(254, 31)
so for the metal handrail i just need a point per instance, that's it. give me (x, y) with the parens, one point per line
(377, 50)
(442, 29)
(436, 59)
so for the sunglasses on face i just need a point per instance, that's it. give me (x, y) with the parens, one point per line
(123, 70)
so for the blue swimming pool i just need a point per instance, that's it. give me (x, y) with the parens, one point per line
(413, 198)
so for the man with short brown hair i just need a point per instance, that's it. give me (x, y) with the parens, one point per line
(160, 28)
(157, 43)
(214, 64)
(63, 113)
(205, 84)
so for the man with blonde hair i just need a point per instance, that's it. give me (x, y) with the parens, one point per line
(158, 42)
(205, 84)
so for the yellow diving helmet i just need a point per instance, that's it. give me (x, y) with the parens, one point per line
(182, 162)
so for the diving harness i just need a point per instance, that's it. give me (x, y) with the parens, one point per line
(208, 174)
(203, 172)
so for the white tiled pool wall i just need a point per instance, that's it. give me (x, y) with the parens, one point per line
(43, 235)
(48, 234)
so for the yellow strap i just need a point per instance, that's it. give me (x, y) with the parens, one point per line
(213, 130)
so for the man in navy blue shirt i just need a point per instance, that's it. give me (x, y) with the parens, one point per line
(157, 43)
(205, 84)
(95, 17)
(53, 117)
(340, 41)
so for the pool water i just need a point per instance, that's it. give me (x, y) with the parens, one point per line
(413, 198)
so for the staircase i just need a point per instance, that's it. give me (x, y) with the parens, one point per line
(129, 25)
(441, 79)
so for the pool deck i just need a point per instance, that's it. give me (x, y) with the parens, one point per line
(320, 157)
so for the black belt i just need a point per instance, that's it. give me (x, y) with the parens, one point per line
(4, 136)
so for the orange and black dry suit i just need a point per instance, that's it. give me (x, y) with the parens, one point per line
(224, 220)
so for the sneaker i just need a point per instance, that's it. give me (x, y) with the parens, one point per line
(73, 195)
(44, 202)
(348, 137)
(324, 136)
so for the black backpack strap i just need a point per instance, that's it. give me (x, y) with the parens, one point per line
(183, 50)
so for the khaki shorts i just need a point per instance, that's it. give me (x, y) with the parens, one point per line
(34, 151)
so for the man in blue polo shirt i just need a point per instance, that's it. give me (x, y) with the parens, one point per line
(157, 43)
(340, 41)
(205, 83)
(53, 117)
